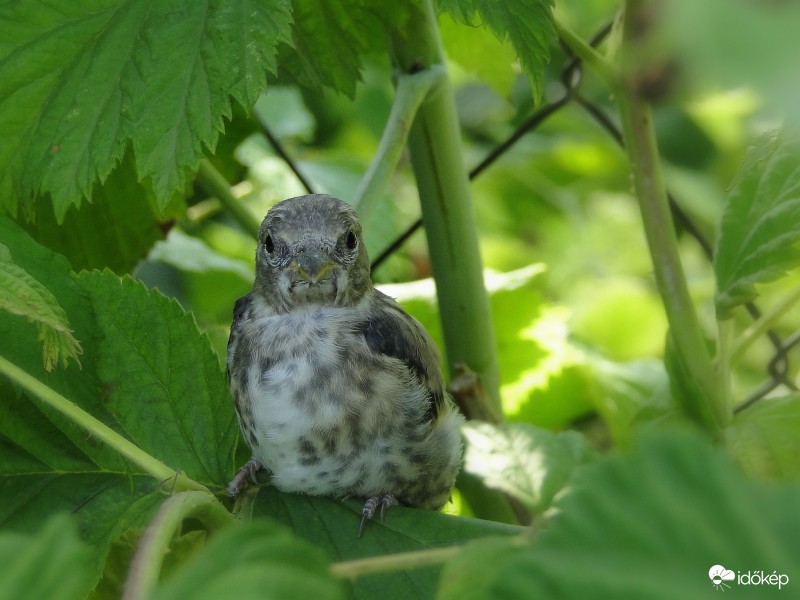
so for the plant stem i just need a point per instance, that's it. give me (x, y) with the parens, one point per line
(436, 156)
(351, 569)
(602, 67)
(154, 545)
(764, 324)
(640, 145)
(215, 184)
(411, 91)
(403, 561)
(98, 429)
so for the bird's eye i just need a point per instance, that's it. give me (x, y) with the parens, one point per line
(351, 240)
(269, 245)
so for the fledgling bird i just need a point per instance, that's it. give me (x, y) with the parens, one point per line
(338, 391)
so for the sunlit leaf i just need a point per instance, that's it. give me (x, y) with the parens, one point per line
(526, 462)
(528, 24)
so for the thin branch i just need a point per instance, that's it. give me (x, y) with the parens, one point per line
(280, 151)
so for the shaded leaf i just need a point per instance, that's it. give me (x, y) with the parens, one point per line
(21, 294)
(165, 386)
(105, 504)
(47, 463)
(761, 224)
(258, 559)
(528, 24)
(115, 230)
(330, 39)
(49, 564)
(21, 347)
(105, 73)
(647, 525)
(764, 438)
(331, 525)
(526, 462)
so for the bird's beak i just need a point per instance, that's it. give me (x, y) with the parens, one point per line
(312, 266)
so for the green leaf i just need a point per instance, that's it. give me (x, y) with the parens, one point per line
(259, 559)
(47, 463)
(50, 564)
(526, 462)
(332, 525)
(647, 525)
(188, 253)
(764, 438)
(23, 349)
(115, 230)
(165, 386)
(79, 81)
(761, 224)
(478, 51)
(330, 39)
(528, 24)
(21, 294)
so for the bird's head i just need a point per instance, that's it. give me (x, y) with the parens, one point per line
(311, 251)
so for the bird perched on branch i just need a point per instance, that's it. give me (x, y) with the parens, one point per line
(338, 391)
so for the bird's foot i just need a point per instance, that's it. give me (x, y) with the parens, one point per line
(243, 476)
(371, 505)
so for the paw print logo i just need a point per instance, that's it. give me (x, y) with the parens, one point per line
(719, 575)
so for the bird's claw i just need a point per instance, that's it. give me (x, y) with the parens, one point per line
(243, 475)
(371, 505)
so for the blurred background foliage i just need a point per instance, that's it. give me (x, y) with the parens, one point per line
(580, 325)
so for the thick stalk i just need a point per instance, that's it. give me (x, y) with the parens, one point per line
(648, 183)
(447, 213)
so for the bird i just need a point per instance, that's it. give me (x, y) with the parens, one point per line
(338, 391)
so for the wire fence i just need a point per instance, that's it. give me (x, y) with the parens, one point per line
(778, 365)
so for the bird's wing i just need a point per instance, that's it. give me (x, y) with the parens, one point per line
(239, 309)
(389, 330)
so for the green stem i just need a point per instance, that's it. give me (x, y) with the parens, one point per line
(593, 59)
(437, 159)
(404, 561)
(352, 569)
(99, 430)
(685, 330)
(764, 324)
(411, 91)
(215, 184)
(154, 545)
